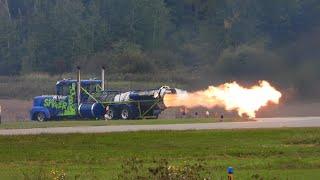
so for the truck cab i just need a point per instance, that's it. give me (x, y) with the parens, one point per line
(64, 103)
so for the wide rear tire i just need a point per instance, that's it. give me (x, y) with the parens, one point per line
(111, 114)
(128, 112)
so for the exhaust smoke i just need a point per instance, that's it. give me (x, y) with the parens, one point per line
(230, 96)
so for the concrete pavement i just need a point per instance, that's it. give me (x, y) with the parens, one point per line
(259, 123)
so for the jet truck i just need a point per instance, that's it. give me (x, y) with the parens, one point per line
(88, 99)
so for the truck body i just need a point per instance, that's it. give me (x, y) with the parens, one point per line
(87, 99)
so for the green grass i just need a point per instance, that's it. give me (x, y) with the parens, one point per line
(268, 153)
(68, 123)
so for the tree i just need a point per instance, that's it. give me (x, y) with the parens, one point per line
(9, 42)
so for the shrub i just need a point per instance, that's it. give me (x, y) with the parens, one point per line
(133, 168)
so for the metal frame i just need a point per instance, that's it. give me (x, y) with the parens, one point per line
(142, 115)
(106, 103)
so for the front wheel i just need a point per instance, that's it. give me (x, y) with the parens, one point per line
(40, 116)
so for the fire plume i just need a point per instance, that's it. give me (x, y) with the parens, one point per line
(230, 96)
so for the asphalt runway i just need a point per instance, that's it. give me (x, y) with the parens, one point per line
(259, 123)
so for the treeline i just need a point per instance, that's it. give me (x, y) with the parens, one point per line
(213, 40)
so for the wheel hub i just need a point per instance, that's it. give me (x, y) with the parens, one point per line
(109, 114)
(125, 114)
(40, 117)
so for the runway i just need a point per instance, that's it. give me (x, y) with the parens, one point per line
(288, 122)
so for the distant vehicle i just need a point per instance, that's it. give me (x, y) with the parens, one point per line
(87, 99)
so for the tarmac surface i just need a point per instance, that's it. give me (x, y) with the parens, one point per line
(259, 123)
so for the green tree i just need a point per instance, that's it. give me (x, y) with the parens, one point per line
(9, 42)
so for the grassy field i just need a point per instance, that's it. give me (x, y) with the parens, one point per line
(254, 154)
(35, 124)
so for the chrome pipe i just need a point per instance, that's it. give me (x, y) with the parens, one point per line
(102, 77)
(78, 86)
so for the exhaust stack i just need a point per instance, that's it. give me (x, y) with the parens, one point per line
(78, 86)
(102, 77)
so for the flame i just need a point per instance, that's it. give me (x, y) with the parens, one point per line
(230, 96)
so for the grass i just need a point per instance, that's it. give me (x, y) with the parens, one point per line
(69, 123)
(254, 154)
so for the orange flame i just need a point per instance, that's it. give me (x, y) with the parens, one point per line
(230, 96)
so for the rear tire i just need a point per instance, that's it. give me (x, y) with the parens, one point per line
(125, 114)
(40, 116)
(128, 113)
(111, 114)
